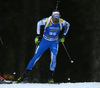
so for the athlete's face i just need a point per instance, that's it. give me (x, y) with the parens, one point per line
(55, 20)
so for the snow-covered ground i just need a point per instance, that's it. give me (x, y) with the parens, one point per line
(61, 85)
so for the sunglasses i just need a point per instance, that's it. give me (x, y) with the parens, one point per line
(55, 17)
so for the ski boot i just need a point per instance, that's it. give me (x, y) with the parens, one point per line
(50, 79)
(21, 78)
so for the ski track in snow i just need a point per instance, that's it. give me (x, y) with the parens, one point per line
(44, 85)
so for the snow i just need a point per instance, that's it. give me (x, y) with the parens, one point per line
(44, 85)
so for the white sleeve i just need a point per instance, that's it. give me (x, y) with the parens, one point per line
(39, 24)
(66, 26)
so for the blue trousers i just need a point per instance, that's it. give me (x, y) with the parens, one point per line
(42, 47)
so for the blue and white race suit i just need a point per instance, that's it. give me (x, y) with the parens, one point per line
(49, 40)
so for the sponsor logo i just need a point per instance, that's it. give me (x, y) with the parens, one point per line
(56, 14)
(54, 28)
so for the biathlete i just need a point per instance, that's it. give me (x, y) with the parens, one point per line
(52, 27)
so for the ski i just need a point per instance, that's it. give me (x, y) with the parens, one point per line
(8, 82)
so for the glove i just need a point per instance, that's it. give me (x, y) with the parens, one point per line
(37, 39)
(62, 38)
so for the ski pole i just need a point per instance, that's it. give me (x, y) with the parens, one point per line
(6, 54)
(3, 47)
(36, 47)
(67, 53)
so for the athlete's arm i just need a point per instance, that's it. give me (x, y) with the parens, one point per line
(66, 26)
(39, 24)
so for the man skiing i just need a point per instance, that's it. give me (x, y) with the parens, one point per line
(52, 27)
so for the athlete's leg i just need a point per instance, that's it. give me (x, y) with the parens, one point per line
(54, 52)
(41, 48)
(39, 51)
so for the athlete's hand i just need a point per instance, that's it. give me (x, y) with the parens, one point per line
(62, 39)
(37, 39)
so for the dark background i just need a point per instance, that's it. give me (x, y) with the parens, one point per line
(19, 20)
